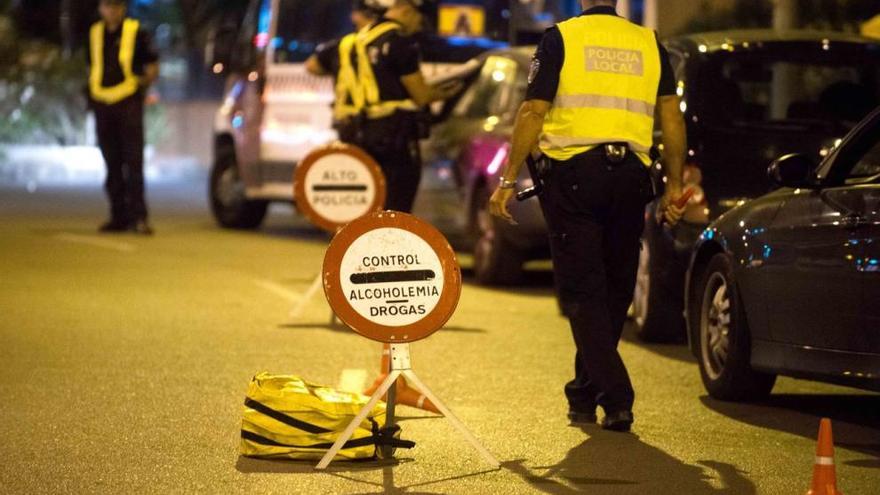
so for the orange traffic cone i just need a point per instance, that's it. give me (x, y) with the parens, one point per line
(824, 476)
(406, 395)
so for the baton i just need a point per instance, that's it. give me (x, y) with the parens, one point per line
(537, 186)
(680, 202)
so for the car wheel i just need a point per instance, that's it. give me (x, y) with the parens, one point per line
(230, 206)
(657, 310)
(496, 261)
(724, 341)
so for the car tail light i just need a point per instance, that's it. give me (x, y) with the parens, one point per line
(696, 210)
(498, 160)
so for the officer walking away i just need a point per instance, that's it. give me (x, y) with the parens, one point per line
(122, 65)
(595, 83)
(380, 91)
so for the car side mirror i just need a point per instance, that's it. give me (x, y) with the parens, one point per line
(795, 170)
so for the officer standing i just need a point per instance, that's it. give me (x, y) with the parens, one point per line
(122, 65)
(594, 85)
(380, 91)
(325, 61)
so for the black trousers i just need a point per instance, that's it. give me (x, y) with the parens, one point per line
(120, 130)
(393, 143)
(402, 165)
(595, 211)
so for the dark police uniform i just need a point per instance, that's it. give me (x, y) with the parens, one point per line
(593, 201)
(373, 109)
(116, 60)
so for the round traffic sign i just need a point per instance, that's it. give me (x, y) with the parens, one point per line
(391, 277)
(336, 184)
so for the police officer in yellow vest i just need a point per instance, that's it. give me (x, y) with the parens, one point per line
(379, 92)
(595, 84)
(122, 65)
(326, 60)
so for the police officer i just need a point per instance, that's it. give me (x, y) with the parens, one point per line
(325, 61)
(122, 65)
(594, 85)
(379, 92)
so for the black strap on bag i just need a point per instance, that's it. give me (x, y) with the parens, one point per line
(280, 416)
(380, 436)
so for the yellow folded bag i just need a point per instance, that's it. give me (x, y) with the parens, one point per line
(288, 417)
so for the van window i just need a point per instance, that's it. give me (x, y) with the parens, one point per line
(303, 24)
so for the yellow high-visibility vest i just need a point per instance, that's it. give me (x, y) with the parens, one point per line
(346, 81)
(607, 88)
(129, 84)
(360, 85)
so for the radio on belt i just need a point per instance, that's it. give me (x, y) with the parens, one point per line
(393, 278)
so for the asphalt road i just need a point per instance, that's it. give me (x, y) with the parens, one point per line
(125, 361)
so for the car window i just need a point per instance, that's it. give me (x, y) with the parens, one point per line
(833, 83)
(493, 92)
(868, 165)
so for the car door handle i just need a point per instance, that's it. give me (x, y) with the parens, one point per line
(855, 221)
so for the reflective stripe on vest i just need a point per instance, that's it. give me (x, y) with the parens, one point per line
(346, 81)
(129, 84)
(362, 86)
(607, 88)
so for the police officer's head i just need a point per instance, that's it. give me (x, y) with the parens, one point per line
(410, 13)
(364, 12)
(586, 4)
(112, 11)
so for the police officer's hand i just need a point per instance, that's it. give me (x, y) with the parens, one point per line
(498, 204)
(449, 89)
(671, 213)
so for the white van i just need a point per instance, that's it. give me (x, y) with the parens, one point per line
(274, 112)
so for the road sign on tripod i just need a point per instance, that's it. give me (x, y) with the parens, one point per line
(393, 278)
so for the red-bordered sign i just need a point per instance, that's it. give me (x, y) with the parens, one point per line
(391, 277)
(336, 184)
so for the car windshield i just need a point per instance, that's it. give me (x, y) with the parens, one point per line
(303, 24)
(821, 83)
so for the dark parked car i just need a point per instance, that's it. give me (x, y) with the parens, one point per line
(790, 282)
(748, 97)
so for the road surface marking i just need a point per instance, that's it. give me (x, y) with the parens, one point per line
(352, 380)
(279, 290)
(96, 241)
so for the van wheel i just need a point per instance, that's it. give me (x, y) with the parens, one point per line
(723, 336)
(230, 206)
(496, 261)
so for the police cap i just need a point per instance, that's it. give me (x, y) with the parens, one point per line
(370, 6)
(426, 7)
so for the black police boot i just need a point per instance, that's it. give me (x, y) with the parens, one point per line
(618, 421)
(142, 227)
(114, 225)
(582, 417)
